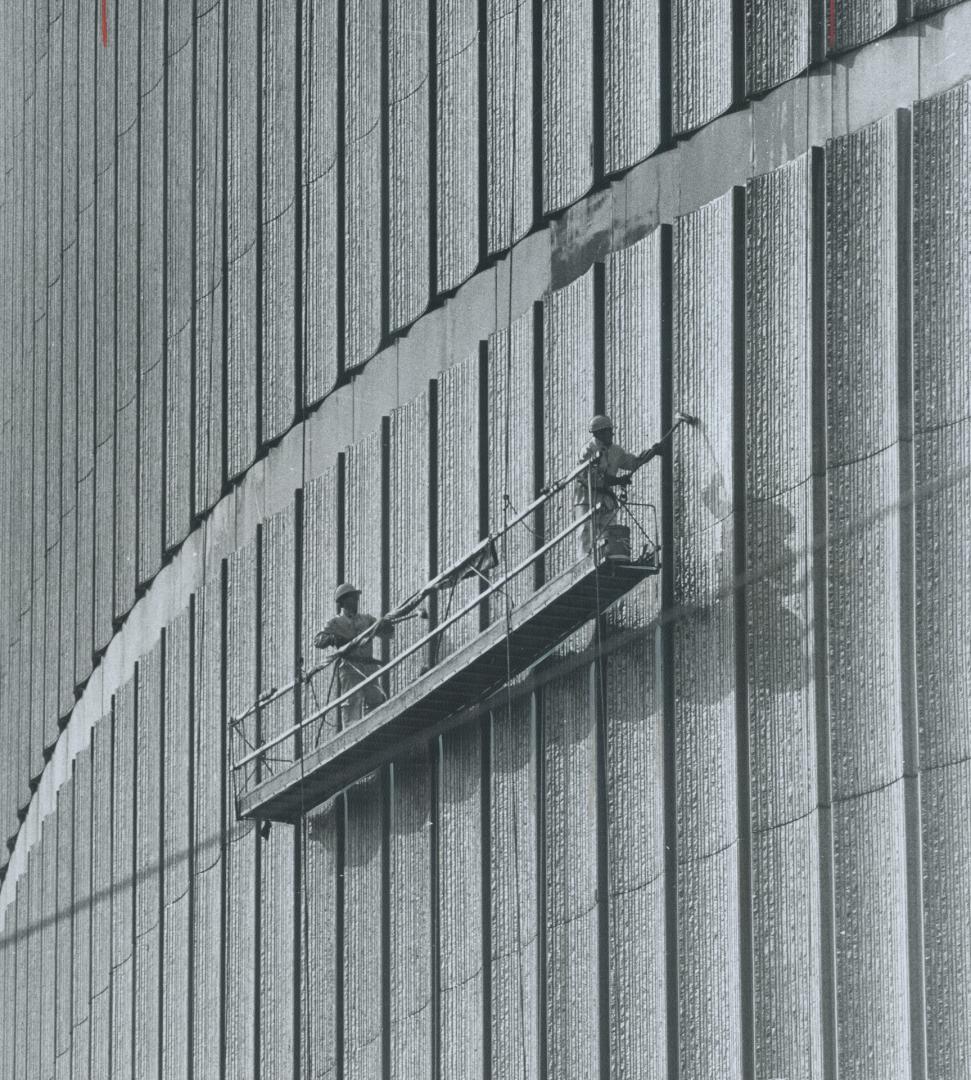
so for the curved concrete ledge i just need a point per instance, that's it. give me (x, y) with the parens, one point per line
(841, 95)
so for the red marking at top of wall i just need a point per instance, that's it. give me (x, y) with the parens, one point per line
(831, 24)
(104, 23)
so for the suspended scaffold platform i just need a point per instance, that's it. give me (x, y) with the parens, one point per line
(281, 778)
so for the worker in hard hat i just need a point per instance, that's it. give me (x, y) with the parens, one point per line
(596, 486)
(358, 663)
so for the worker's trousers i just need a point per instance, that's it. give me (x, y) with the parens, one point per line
(368, 697)
(591, 533)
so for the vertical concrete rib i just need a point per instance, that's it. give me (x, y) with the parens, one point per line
(457, 142)
(777, 42)
(864, 627)
(278, 208)
(363, 226)
(64, 905)
(855, 22)
(101, 874)
(209, 350)
(408, 161)
(942, 519)
(633, 707)
(780, 636)
(175, 852)
(410, 479)
(322, 30)
(703, 43)
(104, 302)
(45, 972)
(150, 762)
(209, 784)
(704, 661)
(632, 83)
(81, 916)
(242, 406)
(123, 855)
(179, 199)
(151, 271)
(277, 627)
(240, 974)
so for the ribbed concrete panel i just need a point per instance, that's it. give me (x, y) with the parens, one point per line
(210, 291)
(8, 987)
(362, 183)
(127, 33)
(702, 46)
(570, 800)
(20, 979)
(122, 1008)
(568, 402)
(174, 742)
(363, 521)
(511, 425)
(634, 728)
(410, 905)
(104, 302)
(64, 906)
(777, 42)
(864, 565)
(68, 484)
(871, 942)
(180, 87)
(38, 123)
(149, 830)
(123, 823)
(780, 638)
(241, 216)
(81, 912)
(457, 142)
(460, 903)
(318, 970)
(208, 785)
(278, 36)
(239, 991)
(35, 958)
(319, 577)
(363, 959)
(858, 21)
(68, 135)
(408, 164)
(100, 1034)
(567, 108)
(101, 866)
(52, 642)
(458, 485)
(704, 711)
(277, 912)
(37, 674)
(151, 345)
(928, 7)
(942, 518)
(632, 82)
(509, 127)
(83, 635)
(319, 171)
(174, 1019)
(409, 542)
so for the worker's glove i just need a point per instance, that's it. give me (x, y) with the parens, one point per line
(651, 452)
(322, 640)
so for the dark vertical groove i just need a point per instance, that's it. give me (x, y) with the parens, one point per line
(224, 249)
(385, 528)
(341, 526)
(160, 997)
(598, 701)
(482, 24)
(436, 753)
(298, 204)
(539, 742)
(665, 644)
(539, 464)
(258, 387)
(163, 455)
(133, 871)
(385, 789)
(112, 561)
(340, 252)
(262, 831)
(827, 991)
(340, 807)
(598, 89)
(537, 149)
(744, 792)
(385, 214)
(433, 148)
(599, 337)
(483, 461)
(485, 834)
(191, 958)
(915, 900)
(664, 72)
(432, 519)
(193, 277)
(223, 668)
(300, 833)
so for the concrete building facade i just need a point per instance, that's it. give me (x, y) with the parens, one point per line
(308, 291)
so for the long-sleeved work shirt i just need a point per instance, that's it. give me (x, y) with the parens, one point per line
(608, 460)
(344, 628)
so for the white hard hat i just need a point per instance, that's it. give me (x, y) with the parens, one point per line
(344, 590)
(601, 423)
